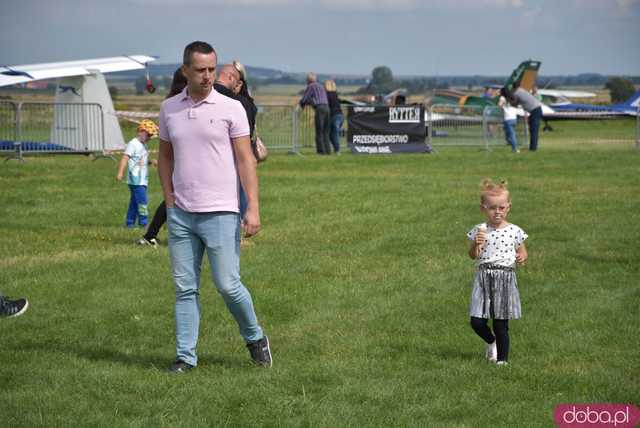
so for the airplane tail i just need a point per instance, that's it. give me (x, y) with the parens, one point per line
(633, 102)
(524, 75)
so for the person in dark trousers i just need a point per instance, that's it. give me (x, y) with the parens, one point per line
(12, 308)
(531, 105)
(150, 237)
(337, 118)
(316, 96)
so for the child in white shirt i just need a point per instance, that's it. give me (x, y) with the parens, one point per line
(136, 160)
(497, 246)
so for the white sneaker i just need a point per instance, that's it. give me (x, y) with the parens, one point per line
(502, 363)
(492, 352)
(153, 242)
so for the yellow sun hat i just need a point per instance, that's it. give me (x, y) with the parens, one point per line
(148, 126)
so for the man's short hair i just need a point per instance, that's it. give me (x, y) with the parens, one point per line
(196, 47)
(311, 77)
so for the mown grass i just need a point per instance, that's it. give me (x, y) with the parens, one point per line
(361, 279)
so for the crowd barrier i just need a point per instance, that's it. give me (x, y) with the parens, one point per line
(41, 127)
(446, 126)
(300, 135)
(467, 126)
(32, 127)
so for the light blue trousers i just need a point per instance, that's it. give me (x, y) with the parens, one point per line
(510, 133)
(189, 235)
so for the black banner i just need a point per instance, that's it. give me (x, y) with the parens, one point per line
(387, 129)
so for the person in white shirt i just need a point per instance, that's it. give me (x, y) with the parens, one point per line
(510, 121)
(136, 160)
(497, 246)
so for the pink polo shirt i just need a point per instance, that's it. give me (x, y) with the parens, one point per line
(205, 178)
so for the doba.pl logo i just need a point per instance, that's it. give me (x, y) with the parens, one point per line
(598, 415)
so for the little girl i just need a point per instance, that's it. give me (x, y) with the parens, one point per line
(497, 246)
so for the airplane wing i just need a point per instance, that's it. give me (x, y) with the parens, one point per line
(583, 115)
(566, 94)
(349, 102)
(11, 75)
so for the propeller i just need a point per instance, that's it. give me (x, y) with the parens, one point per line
(149, 86)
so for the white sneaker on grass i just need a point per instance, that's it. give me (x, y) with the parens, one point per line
(492, 352)
(153, 242)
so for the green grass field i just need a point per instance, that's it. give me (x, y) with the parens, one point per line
(361, 279)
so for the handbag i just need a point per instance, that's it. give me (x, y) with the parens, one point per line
(259, 150)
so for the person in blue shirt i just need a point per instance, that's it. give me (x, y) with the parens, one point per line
(316, 96)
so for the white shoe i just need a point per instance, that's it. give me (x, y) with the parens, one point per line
(153, 242)
(502, 363)
(492, 352)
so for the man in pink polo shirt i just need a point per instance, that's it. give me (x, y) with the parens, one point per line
(204, 149)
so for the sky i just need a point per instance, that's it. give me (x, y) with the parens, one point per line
(411, 37)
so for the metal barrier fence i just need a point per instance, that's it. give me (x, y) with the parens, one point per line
(79, 128)
(454, 126)
(277, 126)
(288, 127)
(306, 122)
(446, 125)
(8, 118)
(494, 134)
(477, 126)
(32, 127)
(451, 125)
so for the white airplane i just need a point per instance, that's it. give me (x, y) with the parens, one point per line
(80, 82)
(560, 97)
